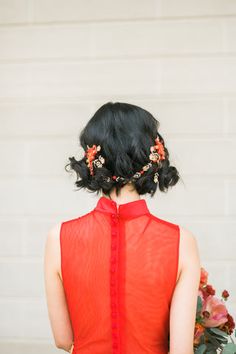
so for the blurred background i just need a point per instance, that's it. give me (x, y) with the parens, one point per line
(59, 62)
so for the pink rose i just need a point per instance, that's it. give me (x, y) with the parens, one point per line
(214, 312)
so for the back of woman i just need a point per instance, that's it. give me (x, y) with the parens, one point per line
(127, 280)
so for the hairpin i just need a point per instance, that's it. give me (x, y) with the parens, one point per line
(90, 155)
(157, 154)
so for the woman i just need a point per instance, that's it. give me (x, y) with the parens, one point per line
(119, 279)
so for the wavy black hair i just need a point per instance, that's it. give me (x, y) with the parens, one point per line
(125, 133)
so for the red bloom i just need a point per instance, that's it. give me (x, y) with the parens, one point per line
(210, 290)
(228, 326)
(225, 294)
(206, 291)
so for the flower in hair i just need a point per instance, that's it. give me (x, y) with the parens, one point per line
(157, 151)
(157, 154)
(91, 154)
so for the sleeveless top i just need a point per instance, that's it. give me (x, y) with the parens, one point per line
(119, 269)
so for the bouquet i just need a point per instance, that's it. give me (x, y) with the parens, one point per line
(214, 325)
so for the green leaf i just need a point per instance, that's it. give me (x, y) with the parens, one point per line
(213, 336)
(214, 340)
(218, 332)
(199, 304)
(230, 348)
(201, 349)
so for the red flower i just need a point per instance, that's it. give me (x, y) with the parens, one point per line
(206, 291)
(228, 326)
(210, 290)
(225, 294)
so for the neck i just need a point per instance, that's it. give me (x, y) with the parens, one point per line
(127, 194)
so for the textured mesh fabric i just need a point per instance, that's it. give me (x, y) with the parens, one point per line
(119, 268)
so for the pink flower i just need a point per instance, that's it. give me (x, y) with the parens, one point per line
(214, 312)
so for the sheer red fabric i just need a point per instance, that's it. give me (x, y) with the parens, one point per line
(119, 268)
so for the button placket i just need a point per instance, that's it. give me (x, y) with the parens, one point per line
(113, 279)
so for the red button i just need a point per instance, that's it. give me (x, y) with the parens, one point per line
(113, 278)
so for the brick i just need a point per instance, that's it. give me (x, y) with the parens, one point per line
(45, 42)
(21, 278)
(184, 8)
(213, 156)
(24, 310)
(14, 80)
(231, 196)
(215, 238)
(61, 192)
(94, 40)
(229, 34)
(155, 38)
(13, 11)
(35, 235)
(34, 118)
(27, 347)
(58, 10)
(77, 79)
(36, 192)
(183, 198)
(13, 158)
(232, 284)
(11, 237)
(231, 116)
(198, 75)
(204, 117)
(49, 158)
(13, 192)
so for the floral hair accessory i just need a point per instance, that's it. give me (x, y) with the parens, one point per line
(90, 154)
(157, 154)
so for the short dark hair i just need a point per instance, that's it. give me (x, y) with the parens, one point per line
(125, 133)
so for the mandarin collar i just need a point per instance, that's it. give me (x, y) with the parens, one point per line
(127, 210)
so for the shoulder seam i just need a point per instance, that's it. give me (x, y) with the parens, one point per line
(166, 222)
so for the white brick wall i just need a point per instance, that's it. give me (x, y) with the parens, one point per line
(59, 61)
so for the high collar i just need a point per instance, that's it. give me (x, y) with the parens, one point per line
(127, 210)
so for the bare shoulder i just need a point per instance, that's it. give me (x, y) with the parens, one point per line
(54, 232)
(52, 248)
(188, 249)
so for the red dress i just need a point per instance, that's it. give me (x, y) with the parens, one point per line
(119, 268)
